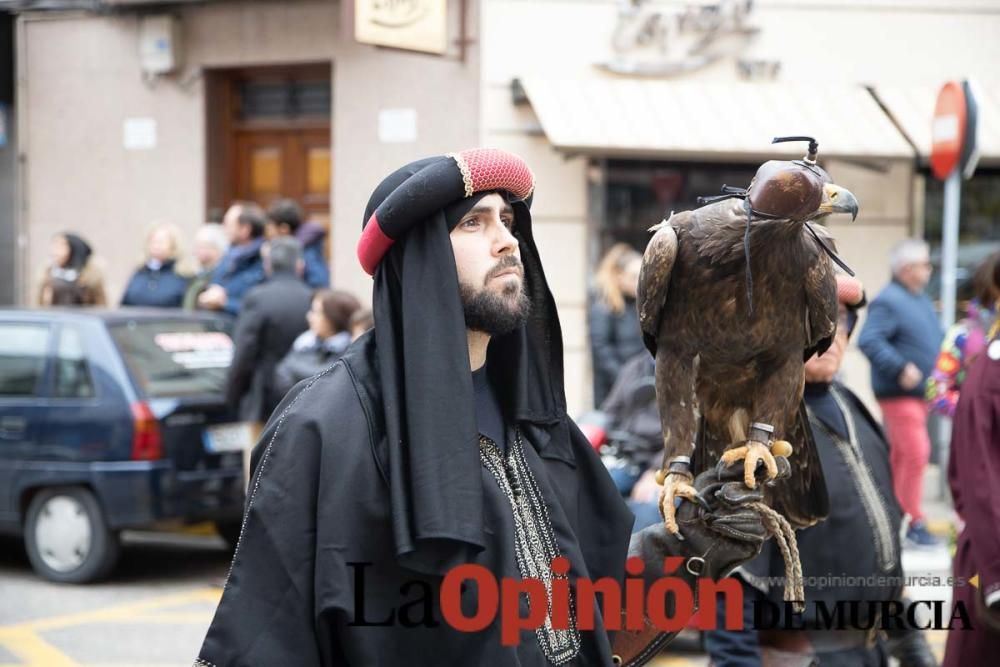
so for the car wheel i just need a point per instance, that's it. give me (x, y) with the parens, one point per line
(67, 537)
(230, 531)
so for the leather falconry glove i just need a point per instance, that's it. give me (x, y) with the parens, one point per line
(717, 539)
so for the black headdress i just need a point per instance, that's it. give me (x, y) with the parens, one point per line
(434, 475)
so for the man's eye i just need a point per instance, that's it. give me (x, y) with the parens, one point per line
(470, 223)
(508, 223)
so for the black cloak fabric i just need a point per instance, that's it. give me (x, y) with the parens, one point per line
(368, 485)
(854, 540)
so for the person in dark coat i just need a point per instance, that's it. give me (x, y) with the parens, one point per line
(974, 479)
(157, 282)
(317, 348)
(634, 421)
(285, 218)
(859, 539)
(615, 336)
(441, 439)
(241, 268)
(273, 316)
(74, 277)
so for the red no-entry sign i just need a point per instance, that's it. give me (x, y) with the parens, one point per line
(953, 133)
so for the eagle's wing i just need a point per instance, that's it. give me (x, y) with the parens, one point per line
(802, 498)
(821, 300)
(654, 279)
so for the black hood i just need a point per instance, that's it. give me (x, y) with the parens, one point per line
(429, 410)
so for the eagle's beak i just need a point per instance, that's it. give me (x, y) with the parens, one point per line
(838, 200)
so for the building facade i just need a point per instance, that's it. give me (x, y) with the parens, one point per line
(624, 110)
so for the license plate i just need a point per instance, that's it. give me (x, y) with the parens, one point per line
(228, 438)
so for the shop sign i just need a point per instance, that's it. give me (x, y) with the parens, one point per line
(416, 25)
(668, 41)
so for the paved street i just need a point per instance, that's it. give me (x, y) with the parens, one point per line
(153, 613)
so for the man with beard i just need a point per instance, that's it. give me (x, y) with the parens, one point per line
(441, 439)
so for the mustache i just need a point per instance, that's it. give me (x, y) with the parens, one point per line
(508, 262)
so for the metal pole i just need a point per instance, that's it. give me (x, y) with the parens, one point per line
(949, 246)
(949, 261)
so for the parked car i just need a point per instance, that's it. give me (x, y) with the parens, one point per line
(111, 420)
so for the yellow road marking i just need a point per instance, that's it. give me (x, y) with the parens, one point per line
(23, 640)
(118, 612)
(32, 650)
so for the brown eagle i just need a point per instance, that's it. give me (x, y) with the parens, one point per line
(733, 298)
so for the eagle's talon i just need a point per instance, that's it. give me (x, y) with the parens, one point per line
(676, 485)
(752, 454)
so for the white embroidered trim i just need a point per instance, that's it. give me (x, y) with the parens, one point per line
(534, 541)
(466, 174)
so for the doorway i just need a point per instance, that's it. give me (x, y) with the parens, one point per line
(269, 137)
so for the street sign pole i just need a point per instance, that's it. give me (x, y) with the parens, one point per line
(949, 246)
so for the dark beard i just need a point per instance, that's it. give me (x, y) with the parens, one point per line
(492, 313)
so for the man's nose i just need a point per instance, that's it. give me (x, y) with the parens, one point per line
(504, 242)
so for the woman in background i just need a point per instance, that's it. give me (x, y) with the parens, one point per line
(615, 336)
(73, 278)
(157, 282)
(318, 347)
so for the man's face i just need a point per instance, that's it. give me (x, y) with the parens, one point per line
(490, 273)
(823, 368)
(917, 274)
(237, 233)
(206, 252)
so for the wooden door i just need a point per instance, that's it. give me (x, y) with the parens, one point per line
(285, 163)
(269, 137)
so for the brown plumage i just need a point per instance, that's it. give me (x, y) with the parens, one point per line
(720, 367)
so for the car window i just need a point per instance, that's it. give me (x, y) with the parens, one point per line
(73, 378)
(23, 347)
(174, 358)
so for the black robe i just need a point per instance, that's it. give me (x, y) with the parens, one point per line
(317, 557)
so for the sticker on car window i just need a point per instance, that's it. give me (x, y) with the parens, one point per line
(197, 349)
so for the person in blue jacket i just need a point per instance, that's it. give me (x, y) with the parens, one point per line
(157, 282)
(242, 267)
(284, 218)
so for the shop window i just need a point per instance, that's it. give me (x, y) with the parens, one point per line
(978, 232)
(641, 193)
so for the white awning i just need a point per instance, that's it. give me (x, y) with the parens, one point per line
(710, 121)
(912, 107)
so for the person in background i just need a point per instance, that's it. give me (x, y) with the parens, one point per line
(157, 282)
(317, 348)
(974, 479)
(73, 278)
(210, 245)
(241, 268)
(284, 218)
(859, 539)
(632, 412)
(964, 341)
(272, 317)
(361, 321)
(615, 336)
(901, 338)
